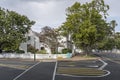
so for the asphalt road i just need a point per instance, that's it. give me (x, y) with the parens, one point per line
(113, 67)
(45, 70)
(41, 71)
(14, 69)
(8, 71)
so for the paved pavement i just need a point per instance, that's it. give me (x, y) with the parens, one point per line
(113, 56)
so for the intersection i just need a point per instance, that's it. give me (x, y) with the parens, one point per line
(39, 70)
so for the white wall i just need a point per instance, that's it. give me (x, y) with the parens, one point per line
(31, 56)
(34, 41)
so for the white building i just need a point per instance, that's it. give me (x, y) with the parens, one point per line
(32, 40)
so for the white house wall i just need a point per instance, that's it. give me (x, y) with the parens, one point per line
(23, 46)
(34, 41)
(47, 48)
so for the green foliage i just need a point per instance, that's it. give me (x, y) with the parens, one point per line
(20, 51)
(86, 24)
(13, 28)
(117, 43)
(117, 40)
(42, 51)
(113, 24)
(31, 49)
(66, 50)
(56, 52)
(9, 51)
(108, 44)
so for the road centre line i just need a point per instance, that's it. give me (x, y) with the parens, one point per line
(55, 71)
(26, 71)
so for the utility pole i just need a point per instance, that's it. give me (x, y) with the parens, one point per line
(34, 51)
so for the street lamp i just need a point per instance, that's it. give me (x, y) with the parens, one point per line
(34, 50)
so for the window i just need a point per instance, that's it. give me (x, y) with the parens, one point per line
(28, 37)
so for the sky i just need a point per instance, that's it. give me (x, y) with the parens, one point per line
(53, 12)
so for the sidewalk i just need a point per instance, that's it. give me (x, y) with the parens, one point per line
(78, 58)
(114, 56)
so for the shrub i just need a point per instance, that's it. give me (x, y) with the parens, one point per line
(66, 50)
(56, 52)
(31, 49)
(8, 51)
(42, 52)
(20, 51)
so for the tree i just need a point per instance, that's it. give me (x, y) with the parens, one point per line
(31, 49)
(113, 24)
(13, 28)
(49, 36)
(64, 30)
(117, 40)
(107, 44)
(86, 23)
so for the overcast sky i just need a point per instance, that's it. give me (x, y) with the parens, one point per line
(52, 12)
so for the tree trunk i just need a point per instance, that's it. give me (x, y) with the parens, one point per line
(88, 50)
(67, 39)
(0, 48)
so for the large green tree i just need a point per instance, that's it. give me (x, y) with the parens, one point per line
(117, 40)
(107, 44)
(86, 23)
(13, 28)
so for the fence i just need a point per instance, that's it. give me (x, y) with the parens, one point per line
(31, 56)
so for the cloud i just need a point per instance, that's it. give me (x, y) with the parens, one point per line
(51, 12)
(114, 6)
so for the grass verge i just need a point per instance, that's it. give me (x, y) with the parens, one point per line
(22, 67)
(80, 71)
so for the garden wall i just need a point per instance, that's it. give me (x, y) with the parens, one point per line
(38, 56)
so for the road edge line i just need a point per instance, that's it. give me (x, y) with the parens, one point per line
(54, 73)
(26, 71)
